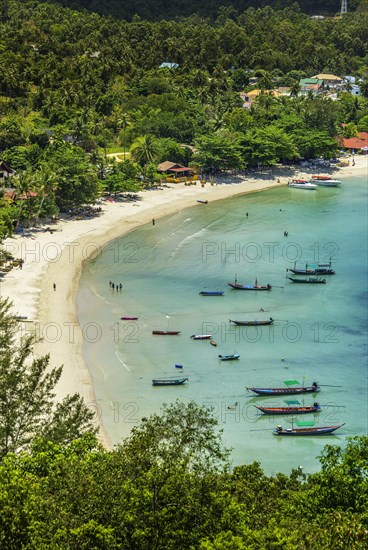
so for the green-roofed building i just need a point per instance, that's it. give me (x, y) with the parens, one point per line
(310, 84)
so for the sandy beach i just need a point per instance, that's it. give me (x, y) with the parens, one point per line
(57, 259)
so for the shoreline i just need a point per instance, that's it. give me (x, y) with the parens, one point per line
(58, 258)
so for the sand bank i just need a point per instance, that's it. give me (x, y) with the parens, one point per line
(57, 259)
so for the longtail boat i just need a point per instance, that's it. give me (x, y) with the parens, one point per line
(166, 332)
(129, 318)
(169, 381)
(286, 391)
(203, 202)
(252, 323)
(290, 410)
(321, 430)
(201, 336)
(212, 292)
(314, 269)
(309, 281)
(232, 357)
(256, 286)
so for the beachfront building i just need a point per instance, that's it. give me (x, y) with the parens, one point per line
(358, 144)
(174, 169)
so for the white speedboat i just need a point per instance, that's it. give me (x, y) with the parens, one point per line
(302, 184)
(325, 181)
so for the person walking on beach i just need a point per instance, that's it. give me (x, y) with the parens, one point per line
(54, 286)
(153, 221)
(120, 287)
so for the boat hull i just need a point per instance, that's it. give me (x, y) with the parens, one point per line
(285, 391)
(229, 357)
(201, 336)
(323, 430)
(309, 281)
(169, 382)
(288, 410)
(251, 323)
(214, 293)
(249, 287)
(166, 332)
(312, 271)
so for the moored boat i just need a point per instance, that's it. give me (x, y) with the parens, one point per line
(201, 336)
(213, 342)
(308, 281)
(325, 181)
(315, 430)
(166, 332)
(252, 323)
(290, 409)
(129, 318)
(202, 202)
(169, 381)
(212, 292)
(231, 357)
(313, 269)
(302, 184)
(256, 286)
(286, 391)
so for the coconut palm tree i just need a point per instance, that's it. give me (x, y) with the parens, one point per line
(123, 123)
(23, 183)
(144, 150)
(45, 183)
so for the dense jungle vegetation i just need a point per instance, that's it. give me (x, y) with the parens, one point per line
(76, 85)
(168, 485)
(160, 9)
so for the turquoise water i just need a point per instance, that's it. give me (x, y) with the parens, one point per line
(320, 331)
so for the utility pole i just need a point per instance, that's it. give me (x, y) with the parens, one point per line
(344, 6)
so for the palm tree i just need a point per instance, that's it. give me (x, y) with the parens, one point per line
(23, 183)
(144, 150)
(123, 123)
(45, 181)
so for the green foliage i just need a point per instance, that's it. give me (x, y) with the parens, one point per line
(220, 151)
(168, 486)
(27, 408)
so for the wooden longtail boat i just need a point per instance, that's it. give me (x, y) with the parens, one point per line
(231, 357)
(286, 391)
(129, 318)
(256, 286)
(169, 381)
(212, 292)
(290, 410)
(309, 281)
(201, 336)
(319, 269)
(203, 202)
(252, 323)
(166, 332)
(321, 430)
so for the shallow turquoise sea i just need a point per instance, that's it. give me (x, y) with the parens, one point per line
(319, 334)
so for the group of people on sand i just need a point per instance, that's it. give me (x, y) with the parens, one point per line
(115, 286)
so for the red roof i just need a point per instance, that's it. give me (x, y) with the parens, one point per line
(356, 142)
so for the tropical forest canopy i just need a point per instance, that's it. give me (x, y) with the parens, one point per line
(76, 86)
(161, 9)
